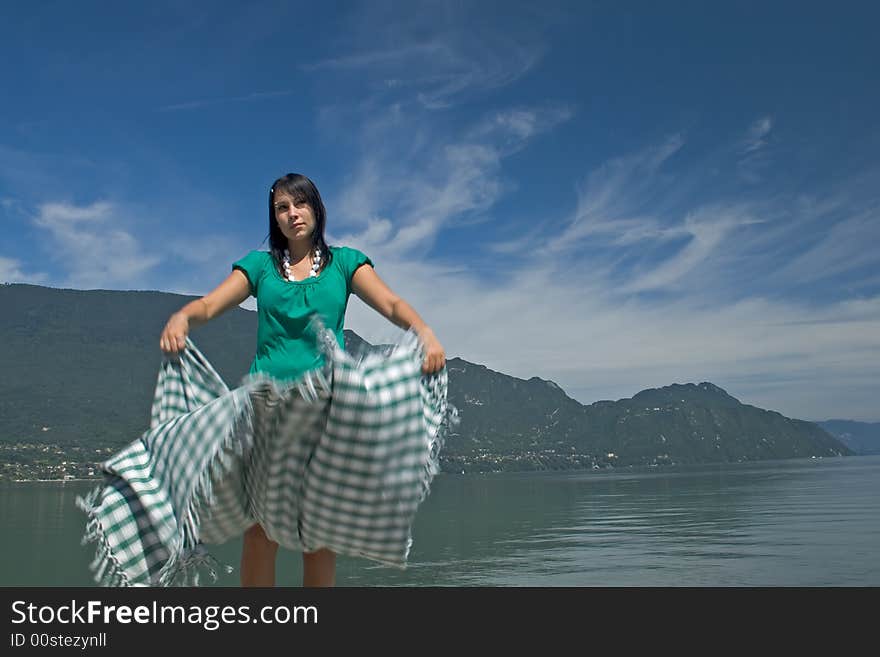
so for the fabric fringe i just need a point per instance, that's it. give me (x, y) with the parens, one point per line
(188, 567)
(189, 556)
(105, 568)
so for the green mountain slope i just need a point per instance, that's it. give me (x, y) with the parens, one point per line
(79, 367)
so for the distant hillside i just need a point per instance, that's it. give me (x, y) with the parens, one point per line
(79, 369)
(860, 437)
(82, 365)
(675, 424)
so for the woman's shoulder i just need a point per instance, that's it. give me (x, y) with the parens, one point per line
(349, 258)
(254, 260)
(254, 266)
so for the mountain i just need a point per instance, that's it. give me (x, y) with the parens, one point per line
(82, 365)
(509, 423)
(860, 437)
(79, 368)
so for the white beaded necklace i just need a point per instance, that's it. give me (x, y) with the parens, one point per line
(288, 272)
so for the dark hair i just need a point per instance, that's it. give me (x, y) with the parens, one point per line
(300, 189)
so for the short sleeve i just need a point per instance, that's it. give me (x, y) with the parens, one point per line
(252, 266)
(349, 260)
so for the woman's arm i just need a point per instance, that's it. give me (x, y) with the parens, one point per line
(229, 293)
(367, 285)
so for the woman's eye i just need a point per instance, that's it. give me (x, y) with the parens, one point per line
(282, 207)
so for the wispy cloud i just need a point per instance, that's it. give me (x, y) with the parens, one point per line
(438, 73)
(207, 102)
(840, 249)
(371, 58)
(439, 184)
(416, 173)
(612, 201)
(753, 150)
(11, 206)
(812, 245)
(513, 128)
(437, 58)
(757, 135)
(706, 229)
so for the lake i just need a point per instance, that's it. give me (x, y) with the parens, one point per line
(803, 522)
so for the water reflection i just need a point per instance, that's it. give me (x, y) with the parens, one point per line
(780, 523)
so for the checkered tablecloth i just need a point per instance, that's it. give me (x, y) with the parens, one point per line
(339, 459)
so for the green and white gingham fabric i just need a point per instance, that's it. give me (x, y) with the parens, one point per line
(339, 459)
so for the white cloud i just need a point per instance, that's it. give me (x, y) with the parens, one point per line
(95, 250)
(570, 329)
(57, 215)
(11, 272)
(587, 329)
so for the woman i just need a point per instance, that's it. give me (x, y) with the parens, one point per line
(299, 276)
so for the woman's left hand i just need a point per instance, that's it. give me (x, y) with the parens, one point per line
(435, 357)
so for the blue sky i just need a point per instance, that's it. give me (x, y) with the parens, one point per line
(611, 195)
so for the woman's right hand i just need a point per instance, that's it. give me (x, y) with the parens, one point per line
(229, 293)
(174, 334)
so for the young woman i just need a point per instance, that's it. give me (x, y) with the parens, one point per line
(299, 276)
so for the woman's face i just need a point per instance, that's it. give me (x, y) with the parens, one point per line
(295, 219)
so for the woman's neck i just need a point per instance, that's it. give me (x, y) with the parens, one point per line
(299, 249)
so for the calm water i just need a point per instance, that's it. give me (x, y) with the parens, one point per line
(802, 523)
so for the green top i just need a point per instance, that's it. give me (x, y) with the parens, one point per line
(284, 308)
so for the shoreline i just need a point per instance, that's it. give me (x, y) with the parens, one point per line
(45, 481)
(614, 469)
